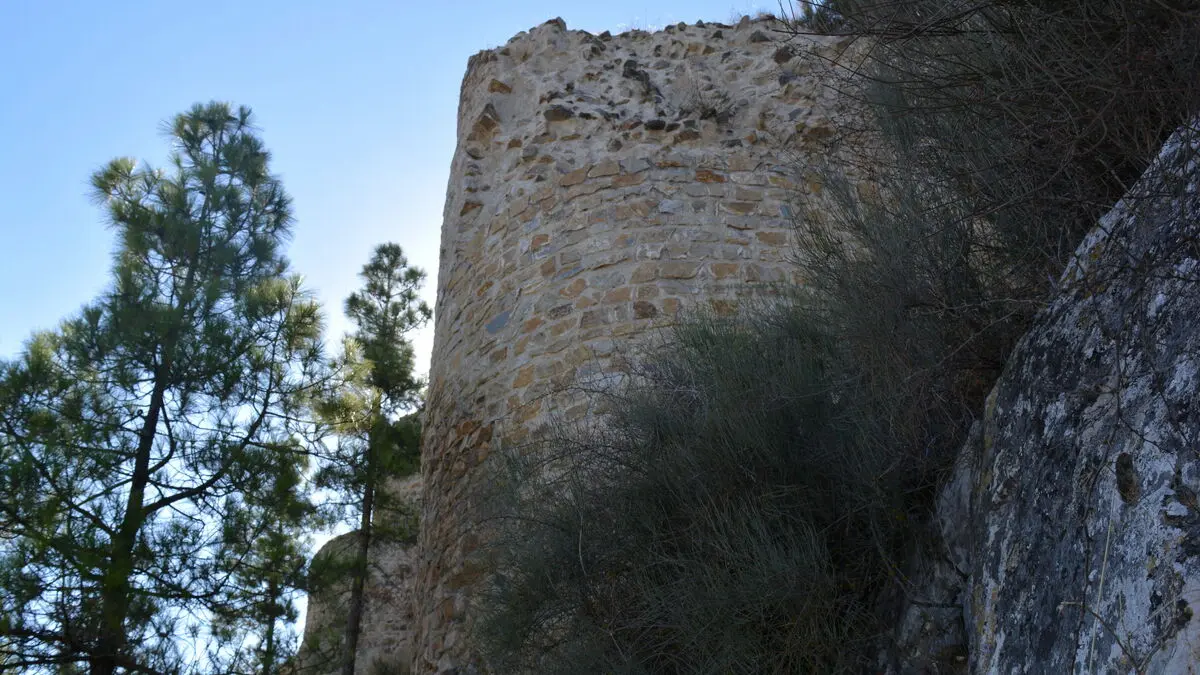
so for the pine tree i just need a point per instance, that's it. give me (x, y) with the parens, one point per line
(146, 461)
(377, 385)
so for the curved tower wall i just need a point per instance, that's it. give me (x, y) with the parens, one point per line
(600, 184)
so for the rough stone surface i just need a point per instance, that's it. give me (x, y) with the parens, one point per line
(388, 622)
(601, 184)
(1072, 520)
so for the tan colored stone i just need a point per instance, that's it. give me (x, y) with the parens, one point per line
(609, 168)
(521, 344)
(722, 271)
(772, 238)
(593, 318)
(629, 180)
(706, 176)
(498, 87)
(740, 208)
(740, 162)
(622, 294)
(678, 270)
(524, 377)
(647, 292)
(487, 123)
(573, 177)
(467, 427)
(529, 411)
(744, 195)
(643, 273)
(573, 289)
(782, 182)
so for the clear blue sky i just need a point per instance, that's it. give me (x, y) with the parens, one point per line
(356, 100)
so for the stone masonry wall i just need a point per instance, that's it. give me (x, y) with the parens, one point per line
(600, 184)
(386, 638)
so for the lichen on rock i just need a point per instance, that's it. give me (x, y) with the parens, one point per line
(1074, 510)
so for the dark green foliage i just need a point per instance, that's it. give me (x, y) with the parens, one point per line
(150, 489)
(352, 412)
(373, 381)
(385, 310)
(908, 284)
(738, 511)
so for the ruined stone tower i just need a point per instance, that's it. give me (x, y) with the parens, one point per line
(600, 184)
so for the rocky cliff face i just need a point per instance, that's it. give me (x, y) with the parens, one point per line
(1084, 546)
(1072, 524)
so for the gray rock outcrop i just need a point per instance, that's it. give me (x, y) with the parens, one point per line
(1073, 516)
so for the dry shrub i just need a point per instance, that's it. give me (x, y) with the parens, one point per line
(738, 511)
(1034, 114)
(995, 133)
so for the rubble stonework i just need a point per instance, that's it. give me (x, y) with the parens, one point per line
(600, 184)
(387, 623)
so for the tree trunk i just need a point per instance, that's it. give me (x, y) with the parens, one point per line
(114, 593)
(269, 647)
(354, 616)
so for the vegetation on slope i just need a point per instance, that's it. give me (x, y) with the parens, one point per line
(738, 513)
